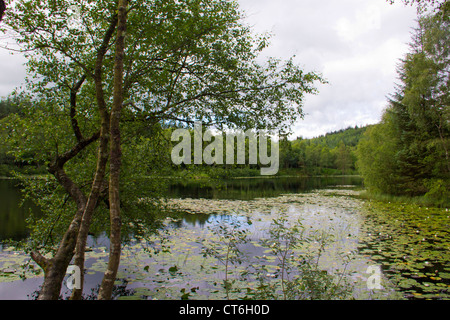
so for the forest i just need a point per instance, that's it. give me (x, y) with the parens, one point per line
(330, 154)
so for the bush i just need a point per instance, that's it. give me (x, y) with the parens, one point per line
(438, 192)
(5, 170)
(290, 271)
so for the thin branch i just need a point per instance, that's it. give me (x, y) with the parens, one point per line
(65, 157)
(73, 105)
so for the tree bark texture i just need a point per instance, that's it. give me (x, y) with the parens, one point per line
(115, 156)
(55, 268)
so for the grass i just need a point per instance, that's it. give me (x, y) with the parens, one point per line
(417, 200)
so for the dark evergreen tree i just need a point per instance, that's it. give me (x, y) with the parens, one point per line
(416, 124)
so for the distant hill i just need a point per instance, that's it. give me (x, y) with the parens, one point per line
(330, 154)
(350, 137)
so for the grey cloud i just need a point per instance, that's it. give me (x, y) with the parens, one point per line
(12, 72)
(355, 44)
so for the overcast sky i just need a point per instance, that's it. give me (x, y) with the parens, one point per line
(354, 44)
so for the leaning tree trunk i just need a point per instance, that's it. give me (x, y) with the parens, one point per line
(56, 267)
(89, 210)
(102, 160)
(107, 285)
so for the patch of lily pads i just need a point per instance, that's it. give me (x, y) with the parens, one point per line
(15, 266)
(181, 270)
(412, 243)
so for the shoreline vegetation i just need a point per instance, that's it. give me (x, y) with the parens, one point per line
(332, 155)
(420, 201)
(348, 138)
(365, 194)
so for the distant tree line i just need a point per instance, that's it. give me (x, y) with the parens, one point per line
(333, 153)
(330, 154)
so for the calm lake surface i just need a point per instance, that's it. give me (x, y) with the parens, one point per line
(175, 266)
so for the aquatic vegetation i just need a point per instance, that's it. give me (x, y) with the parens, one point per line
(297, 256)
(15, 266)
(227, 249)
(315, 245)
(412, 243)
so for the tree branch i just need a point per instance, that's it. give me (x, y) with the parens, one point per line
(2, 9)
(65, 157)
(73, 105)
(40, 260)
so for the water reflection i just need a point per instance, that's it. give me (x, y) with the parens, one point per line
(152, 272)
(203, 221)
(250, 188)
(13, 213)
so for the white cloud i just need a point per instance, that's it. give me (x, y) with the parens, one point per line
(364, 20)
(12, 73)
(355, 44)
